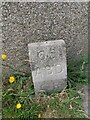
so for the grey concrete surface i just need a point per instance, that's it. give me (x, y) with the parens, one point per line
(48, 65)
(26, 22)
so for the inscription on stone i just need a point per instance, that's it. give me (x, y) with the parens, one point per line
(48, 65)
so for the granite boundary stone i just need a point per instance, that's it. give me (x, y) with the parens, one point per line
(48, 65)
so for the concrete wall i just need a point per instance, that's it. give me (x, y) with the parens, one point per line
(25, 23)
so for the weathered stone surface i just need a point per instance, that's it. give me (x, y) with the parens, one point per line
(48, 65)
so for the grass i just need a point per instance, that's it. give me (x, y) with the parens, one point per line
(67, 104)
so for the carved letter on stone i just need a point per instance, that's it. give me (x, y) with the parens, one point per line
(60, 51)
(49, 70)
(52, 53)
(41, 55)
(58, 68)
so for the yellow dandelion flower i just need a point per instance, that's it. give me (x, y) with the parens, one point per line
(11, 79)
(18, 106)
(4, 56)
(39, 115)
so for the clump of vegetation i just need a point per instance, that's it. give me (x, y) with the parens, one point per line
(19, 100)
(78, 72)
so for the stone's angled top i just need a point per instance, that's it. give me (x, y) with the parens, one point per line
(48, 65)
(46, 42)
